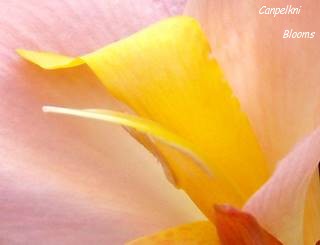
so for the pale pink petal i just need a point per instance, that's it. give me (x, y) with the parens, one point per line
(70, 181)
(277, 80)
(279, 204)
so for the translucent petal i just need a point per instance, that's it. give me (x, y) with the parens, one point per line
(279, 205)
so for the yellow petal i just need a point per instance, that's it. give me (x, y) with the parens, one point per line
(165, 73)
(202, 232)
(50, 60)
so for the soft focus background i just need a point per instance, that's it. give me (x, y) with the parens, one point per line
(67, 180)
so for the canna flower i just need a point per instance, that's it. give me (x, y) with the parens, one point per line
(186, 114)
(189, 118)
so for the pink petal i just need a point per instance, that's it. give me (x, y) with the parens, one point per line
(277, 80)
(67, 181)
(279, 204)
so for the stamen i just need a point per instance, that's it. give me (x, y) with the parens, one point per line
(143, 125)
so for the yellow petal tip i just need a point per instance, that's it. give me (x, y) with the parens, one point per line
(49, 61)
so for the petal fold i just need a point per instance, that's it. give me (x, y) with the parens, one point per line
(279, 205)
(177, 84)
